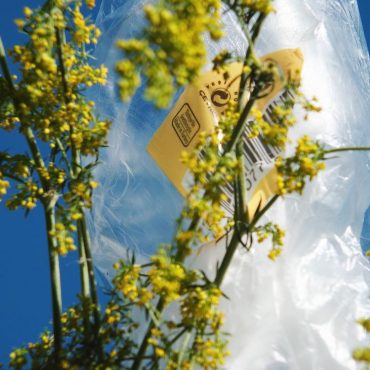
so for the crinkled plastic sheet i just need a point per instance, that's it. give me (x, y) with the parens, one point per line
(299, 312)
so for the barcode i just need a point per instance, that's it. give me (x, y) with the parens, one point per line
(258, 157)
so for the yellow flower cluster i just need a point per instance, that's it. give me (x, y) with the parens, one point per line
(365, 323)
(211, 172)
(363, 354)
(4, 185)
(173, 364)
(63, 236)
(277, 235)
(79, 195)
(281, 117)
(70, 320)
(84, 33)
(21, 169)
(166, 277)
(130, 78)
(128, 282)
(9, 122)
(276, 131)
(198, 307)
(8, 116)
(18, 358)
(90, 3)
(174, 51)
(155, 341)
(27, 196)
(262, 6)
(112, 314)
(210, 354)
(51, 83)
(306, 163)
(52, 174)
(274, 253)
(270, 229)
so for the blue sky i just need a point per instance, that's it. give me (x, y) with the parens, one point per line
(24, 276)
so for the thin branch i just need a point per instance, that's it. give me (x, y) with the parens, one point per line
(92, 280)
(5, 69)
(64, 156)
(12, 177)
(235, 242)
(76, 162)
(55, 280)
(144, 343)
(348, 149)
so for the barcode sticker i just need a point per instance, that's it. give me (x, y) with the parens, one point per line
(199, 109)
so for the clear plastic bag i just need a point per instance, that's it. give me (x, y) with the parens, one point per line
(299, 312)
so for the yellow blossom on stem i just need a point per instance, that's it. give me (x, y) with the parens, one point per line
(173, 52)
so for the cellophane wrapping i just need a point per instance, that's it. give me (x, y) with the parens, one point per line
(298, 312)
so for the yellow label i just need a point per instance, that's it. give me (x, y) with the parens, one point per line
(199, 109)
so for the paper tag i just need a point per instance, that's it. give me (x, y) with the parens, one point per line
(199, 109)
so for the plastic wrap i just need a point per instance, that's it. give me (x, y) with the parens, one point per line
(299, 312)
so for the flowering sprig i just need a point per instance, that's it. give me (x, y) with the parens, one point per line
(165, 285)
(172, 51)
(294, 171)
(277, 235)
(45, 103)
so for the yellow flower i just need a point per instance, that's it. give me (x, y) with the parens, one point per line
(90, 3)
(4, 185)
(94, 184)
(159, 352)
(27, 11)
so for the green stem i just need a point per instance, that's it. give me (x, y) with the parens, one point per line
(231, 248)
(241, 191)
(90, 268)
(92, 281)
(86, 264)
(84, 272)
(236, 143)
(55, 280)
(144, 344)
(258, 215)
(65, 158)
(5, 69)
(183, 347)
(76, 165)
(347, 149)
(241, 124)
(36, 154)
(63, 71)
(62, 68)
(178, 336)
(235, 240)
(251, 39)
(85, 287)
(239, 215)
